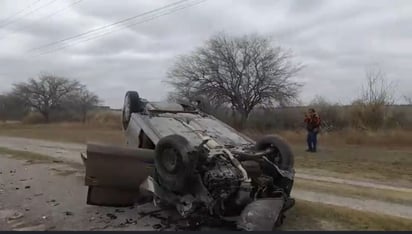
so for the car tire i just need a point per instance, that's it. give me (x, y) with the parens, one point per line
(282, 156)
(173, 162)
(132, 104)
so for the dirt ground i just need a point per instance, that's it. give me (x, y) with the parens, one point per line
(51, 196)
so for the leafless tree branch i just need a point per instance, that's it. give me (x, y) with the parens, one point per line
(240, 71)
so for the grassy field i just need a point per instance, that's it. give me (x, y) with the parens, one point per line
(388, 139)
(315, 216)
(358, 162)
(65, 132)
(400, 197)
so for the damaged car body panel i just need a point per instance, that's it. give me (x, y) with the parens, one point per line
(194, 162)
(114, 173)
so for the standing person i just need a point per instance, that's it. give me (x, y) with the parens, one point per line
(312, 121)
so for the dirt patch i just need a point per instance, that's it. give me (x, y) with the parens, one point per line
(25, 155)
(47, 201)
(31, 149)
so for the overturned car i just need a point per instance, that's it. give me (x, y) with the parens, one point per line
(194, 162)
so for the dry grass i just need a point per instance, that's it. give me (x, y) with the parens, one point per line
(107, 119)
(359, 162)
(384, 155)
(315, 216)
(354, 191)
(389, 138)
(66, 132)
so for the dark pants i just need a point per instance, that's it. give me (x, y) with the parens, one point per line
(312, 140)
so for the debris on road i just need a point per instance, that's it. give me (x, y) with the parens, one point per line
(157, 226)
(111, 216)
(15, 216)
(68, 213)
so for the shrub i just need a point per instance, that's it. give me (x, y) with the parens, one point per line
(109, 119)
(33, 118)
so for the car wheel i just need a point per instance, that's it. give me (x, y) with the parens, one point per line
(132, 104)
(282, 154)
(173, 162)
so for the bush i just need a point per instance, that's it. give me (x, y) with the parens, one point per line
(33, 118)
(276, 118)
(375, 116)
(109, 119)
(333, 116)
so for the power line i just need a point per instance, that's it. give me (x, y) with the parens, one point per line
(107, 26)
(97, 36)
(28, 13)
(45, 17)
(19, 12)
(58, 11)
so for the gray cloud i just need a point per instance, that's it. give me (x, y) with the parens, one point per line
(335, 39)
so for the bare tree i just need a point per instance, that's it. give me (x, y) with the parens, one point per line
(12, 108)
(371, 111)
(408, 99)
(83, 100)
(46, 93)
(377, 90)
(243, 72)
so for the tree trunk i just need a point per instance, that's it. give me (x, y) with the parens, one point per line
(84, 116)
(243, 119)
(46, 117)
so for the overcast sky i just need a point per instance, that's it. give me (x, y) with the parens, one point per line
(335, 39)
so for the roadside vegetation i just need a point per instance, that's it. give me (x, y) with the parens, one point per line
(314, 216)
(339, 189)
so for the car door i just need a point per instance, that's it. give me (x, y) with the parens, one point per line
(114, 173)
